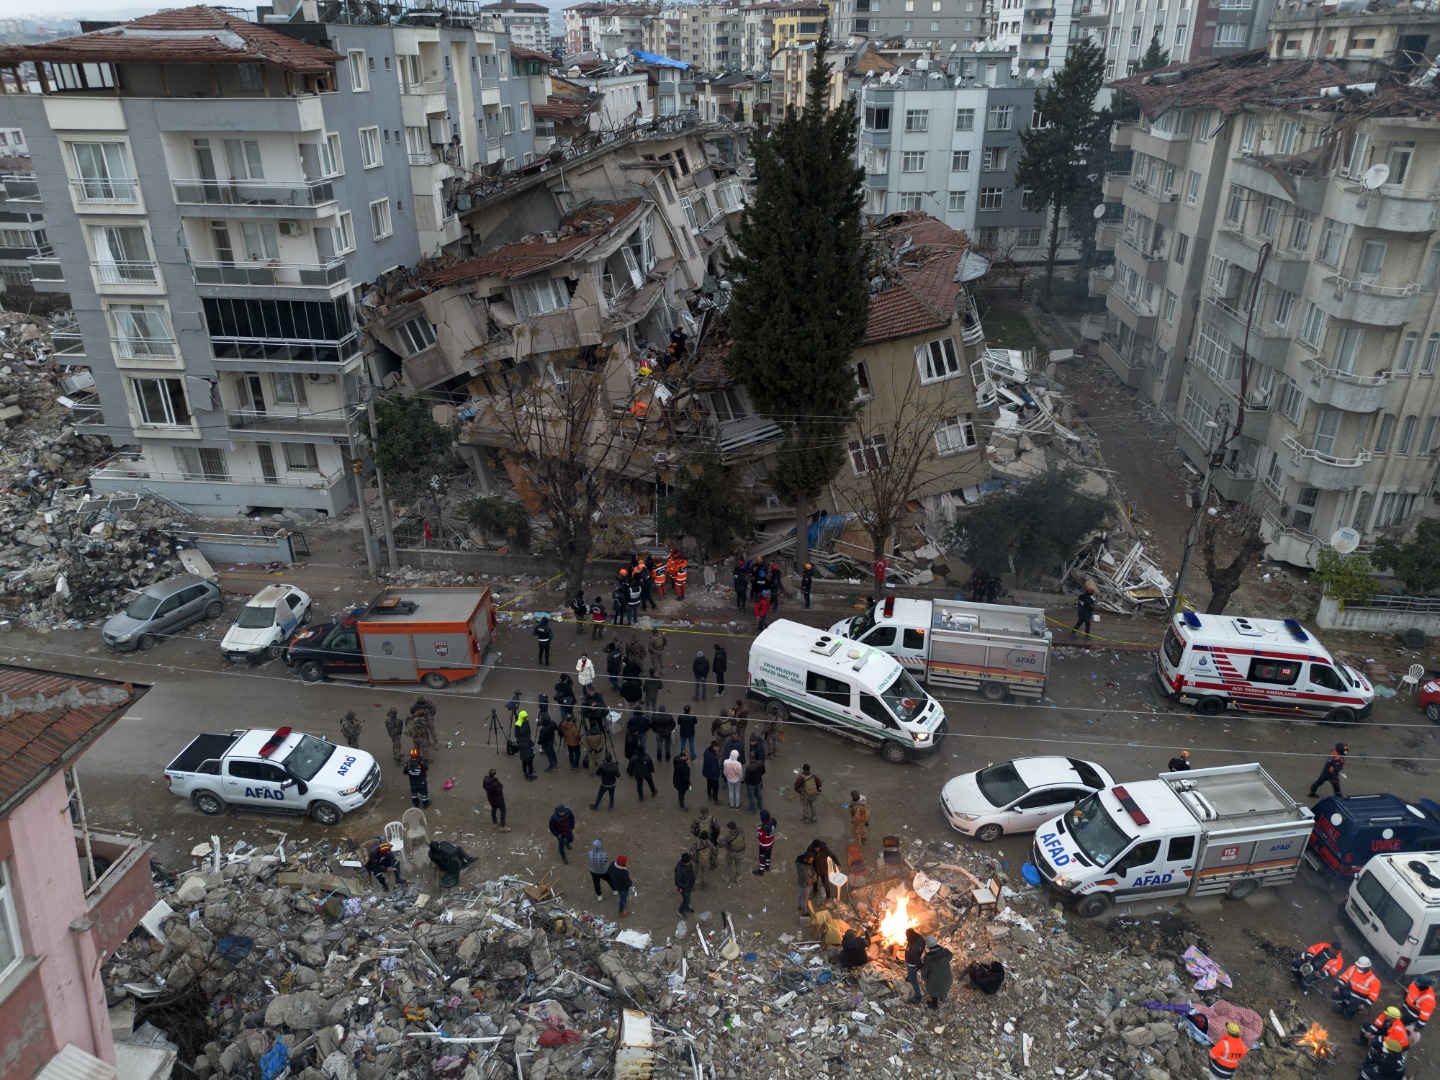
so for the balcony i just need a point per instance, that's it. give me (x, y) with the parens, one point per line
(132, 272)
(88, 414)
(1113, 186)
(121, 891)
(21, 187)
(1285, 268)
(420, 101)
(302, 113)
(252, 199)
(45, 268)
(1125, 369)
(1106, 234)
(1268, 343)
(1256, 425)
(1324, 471)
(220, 276)
(145, 348)
(1250, 171)
(1039, 14)
(129, 473)
(1036, 39)
(1095, 13)
(1101, 280)
(101, 193)
(1139, 315)
(1356, 300)
(337, 425)
(1159, 206)
(1387, 209)
(1122, 135)
(278, 354)
(1345, 390)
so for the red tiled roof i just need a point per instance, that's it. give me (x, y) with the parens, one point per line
(921, 291)
(520, 52)
(579, 230)
(1230, 83)
(563, 108)
(193, 35)
(47, 720)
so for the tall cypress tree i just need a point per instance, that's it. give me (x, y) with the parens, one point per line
(800, 292)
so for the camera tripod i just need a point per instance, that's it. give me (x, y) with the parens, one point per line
(494, 735)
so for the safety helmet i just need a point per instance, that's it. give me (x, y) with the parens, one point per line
(1393, 1045)
(1185, 755)
(414, 753)
(1342, 747)
(1232, 1028)
(1363, 963)
(624, 572)
(1393, 1012)
(808, 566)
(1424, 982)
(385, 849)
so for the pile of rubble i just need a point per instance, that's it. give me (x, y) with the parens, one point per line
(506, 978)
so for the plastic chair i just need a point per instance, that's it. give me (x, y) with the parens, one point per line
(1410, 682)
(417, 831)
(395, 837)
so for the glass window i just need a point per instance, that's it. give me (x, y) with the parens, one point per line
(242, 157)
(1405, 361)
(343, 235)
(11, 952)
(964, 119)
(1427, 361)
(957, 201)
(909, 200)
(869, 455)
(359, 76)
(1172, 302)
(992, 198)
(161, 402)
(380, 219)
(331, 161)
(416, 334)
(1427, 442)
(1235, 204)
(1407, 434)
(1386, 433)
(1289, 139)
(955, 434)
(827, 688)
(370, 147)
(959, 160)
(864, 391)
(993, 158)
(1332, 242)
(877, 118)
(288, 388)
(1359, 148)
(1182, 247)
(1284, 304)
(104, 172)
(141, 332)
(1269, 217)
(912, 161)
(1347, 349)
(1192, 187)
(1276, 672)
(301, 457)
(938, 360)
(1312, 327)
(1401, 154)
(202, 463)
(999, 118)
(917, 119)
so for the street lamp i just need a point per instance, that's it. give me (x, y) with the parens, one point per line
(1214, 451)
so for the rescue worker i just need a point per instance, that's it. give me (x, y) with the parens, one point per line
(659, 571)
(633, 593)
(741, 581)
(808, 787)
(655, 651)
(380, 860)
(1384, 1028)
(418, 773)
(765, 841)
(732, 841)
(1330, 773)
(395, 728)
(706, 848)
(807, 580)
(1227, 1053)
(1418, 1006)
(597, 618)
(350, 725)
(762, 610)
(1357, 988)
(859, 818)
(1320, 961)
(1180, 763)
(647, 582)
(1387, 1062)
(679, 571)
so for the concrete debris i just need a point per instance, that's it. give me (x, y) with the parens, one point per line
(479, 982)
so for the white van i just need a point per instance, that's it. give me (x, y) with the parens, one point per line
(1394, 908)
(1219, 662)
(852, 689)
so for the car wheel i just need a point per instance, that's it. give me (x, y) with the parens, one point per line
(1093, 906)
(1210, 706)
(1432, 712)
(214, 609)
(994, 691)
(1340, 716)
(325, 813)
(1241, 888)
(312, 672)
(305, 619)
(989, 833)
(893, 752)
(274, 652)
(146, 642)
(435, 681)
(209, 803)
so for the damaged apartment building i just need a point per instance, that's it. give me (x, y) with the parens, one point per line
(1277, 271)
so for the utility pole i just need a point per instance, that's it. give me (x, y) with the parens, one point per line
(1213, 452)
(391, 558)
(357, 468)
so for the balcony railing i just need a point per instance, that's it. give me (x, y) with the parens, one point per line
(126, 273)
(88, 414)
(271, 274)
(279, 351)
(144, 348)
(1302, 452)
(253, 192)
(1370, 288)
(21, 187)
(424, 86)
(133, 467)
(339, 422)
(120, 189)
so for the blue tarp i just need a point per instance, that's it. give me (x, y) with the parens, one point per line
(659, 61)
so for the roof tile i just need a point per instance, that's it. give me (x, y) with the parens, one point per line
(920, 292)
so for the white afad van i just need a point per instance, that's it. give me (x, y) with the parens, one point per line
(1219, 662)
(852, 689)
(1394, 907)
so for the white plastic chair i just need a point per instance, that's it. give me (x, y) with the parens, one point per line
(417, 830)
(395, 837)
(1410, 682)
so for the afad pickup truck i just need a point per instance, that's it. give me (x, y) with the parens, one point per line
(430, 636)
(277, 771)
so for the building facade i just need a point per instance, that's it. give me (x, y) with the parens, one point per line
(1189, 30)
(945, 26)
(527, 24)
(228, 188)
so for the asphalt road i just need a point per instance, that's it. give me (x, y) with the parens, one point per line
(1102, 706)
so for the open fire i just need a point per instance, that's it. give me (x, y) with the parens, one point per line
(1315, 1042)
(894, 925)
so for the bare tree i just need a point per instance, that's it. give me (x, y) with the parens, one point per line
(1242, 529)
(902, 456)
(572, 447)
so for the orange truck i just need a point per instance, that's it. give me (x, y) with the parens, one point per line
(430, 636)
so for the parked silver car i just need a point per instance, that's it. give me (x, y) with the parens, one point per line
(161, 609)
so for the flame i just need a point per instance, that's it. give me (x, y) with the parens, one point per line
(894, 925)
(1316, 1040)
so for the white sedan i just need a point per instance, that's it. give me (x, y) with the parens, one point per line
(265, 623)
(1018, 795)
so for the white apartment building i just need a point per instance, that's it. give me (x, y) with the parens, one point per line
(527, 24)
(1036, 33)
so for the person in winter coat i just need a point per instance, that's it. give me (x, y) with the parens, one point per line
(395, 728)
(570, 736)
(585, 671)
(711, 770)
(562, 827)
(639, 726)
(742, 584)
(762, 611)
(381, 860)
(544, 634)
(663, 726)
(417, 771)
(655, 650)
(564, 695)
(619, 878)
(700, 668)
(719, 664)
(597, 860)
(754, 779)
(807, 581)
(1084, 612)
(681, 778)
(859, 818)
(527, 752)
(651, 685)
(936, 971)
(580, 609)
(755, 748)
(609, 774)
(495, 793)
(545, 736)
(614, 662)
(734, 777)
(617, 606)
(734, 742)
(732, 842)
(685, 882)
(597, 618)
(643, 770)
(687, 723)
(1333, 769)
(914, 955)
(765, 841)
(807, 786)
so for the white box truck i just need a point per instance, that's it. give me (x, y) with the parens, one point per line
(852, 689)
(1394, 907)
(1227, 830)
(994, 648)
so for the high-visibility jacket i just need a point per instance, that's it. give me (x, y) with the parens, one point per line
(1419, 1004)
(1364, 983)
(659, 572)
(1228, 1052)
(1330, 967)
(679, 570)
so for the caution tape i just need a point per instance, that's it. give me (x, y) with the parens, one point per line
(1096, 637)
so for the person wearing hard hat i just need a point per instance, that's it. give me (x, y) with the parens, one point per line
(1227, 1053)
(1357, 988)
(1386, 1027)
(1180, 763)
(381, 859)
(1418, 1005)
(807, 579)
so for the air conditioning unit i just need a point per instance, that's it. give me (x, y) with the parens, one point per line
(315, 377)
(293, 228)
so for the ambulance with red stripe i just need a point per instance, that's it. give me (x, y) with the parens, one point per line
(1224, 831)
(1219, 662)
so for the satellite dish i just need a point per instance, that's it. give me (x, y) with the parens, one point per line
(1098, 212)
(1347, 539)
(1375, 176)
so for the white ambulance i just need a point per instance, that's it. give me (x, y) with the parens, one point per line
(1219, 662)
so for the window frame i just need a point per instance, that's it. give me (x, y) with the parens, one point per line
(10, 930)
(384, 205)
(917, 120)
(869, 453)
(964, 425)
(371, 156)
(413, 333)
(168, 400)
(939, 359)
(359, 71)
(990, 200)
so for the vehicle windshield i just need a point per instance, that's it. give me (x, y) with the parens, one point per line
(255, 618)
(1000, 784)
(1095, 831)
(143, 606)
(861, 624)
(1088, 776)
(1173, 646)
(904, 697)
(309, 755)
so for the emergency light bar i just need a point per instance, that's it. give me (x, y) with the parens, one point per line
(1191, 620)
(1131, 806)
(1296, 630)
(889, 608)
